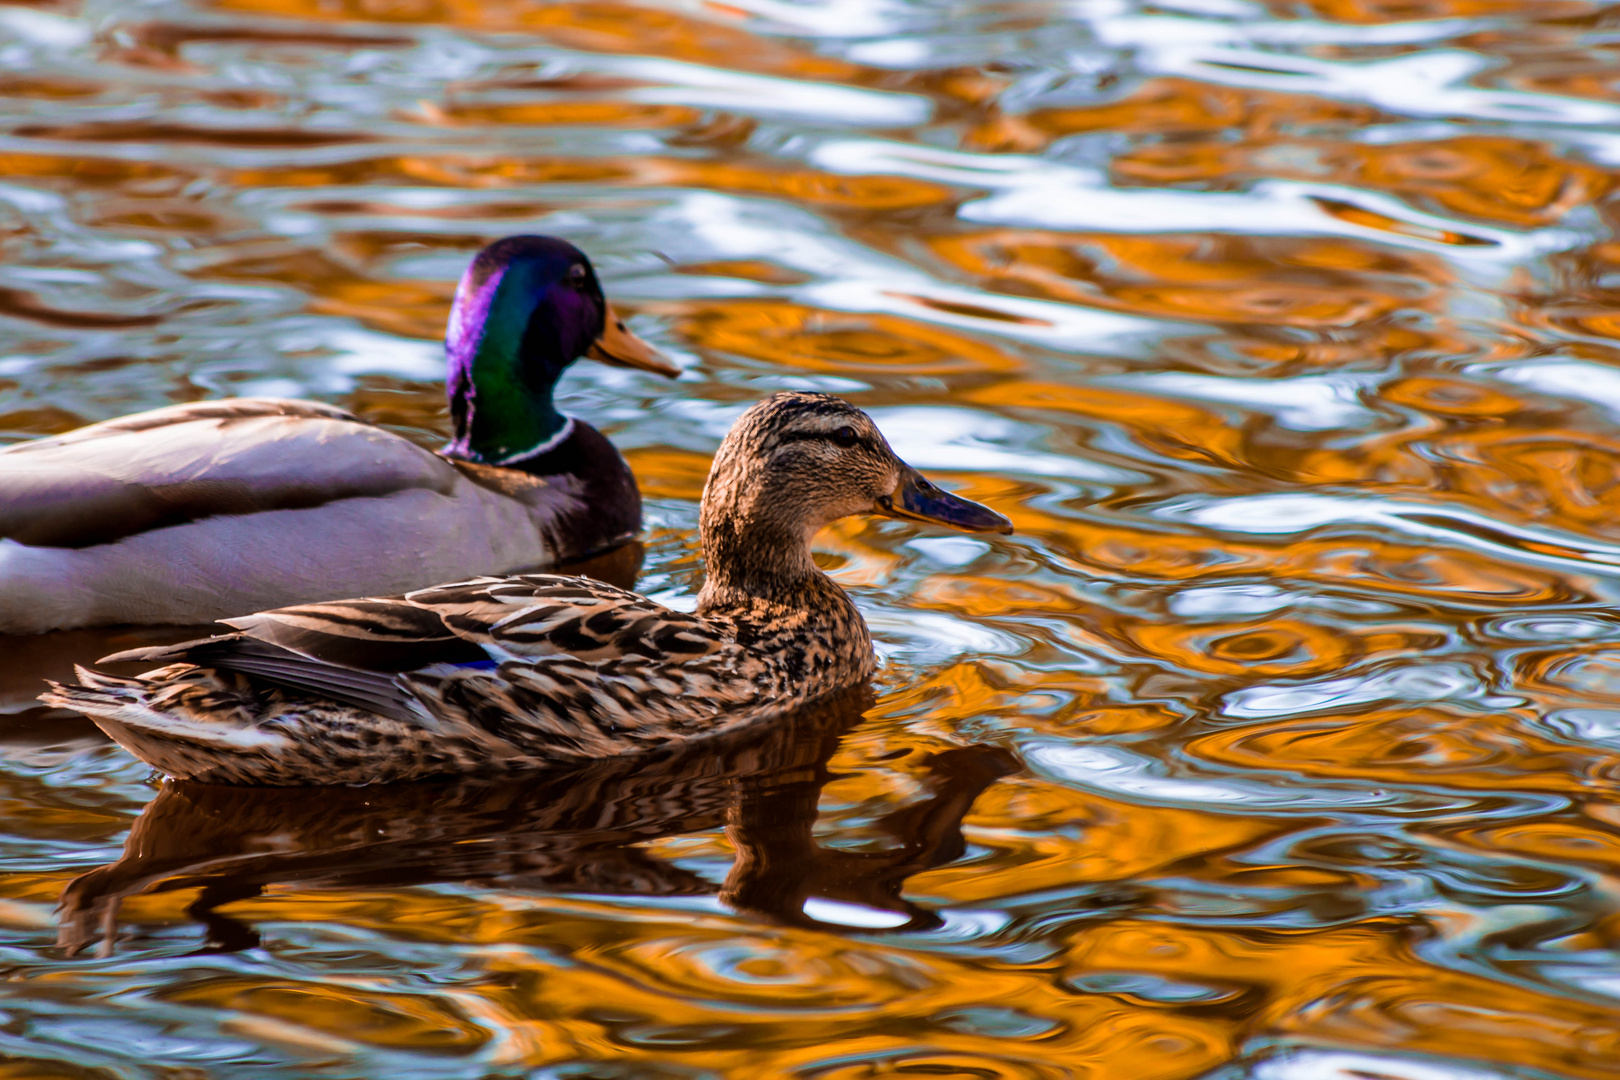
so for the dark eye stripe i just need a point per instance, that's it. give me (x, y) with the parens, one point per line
(813, 436)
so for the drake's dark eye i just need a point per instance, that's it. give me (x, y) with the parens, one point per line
(577, 272)
(845, 437)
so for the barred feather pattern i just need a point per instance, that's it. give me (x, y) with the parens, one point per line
(576, 670)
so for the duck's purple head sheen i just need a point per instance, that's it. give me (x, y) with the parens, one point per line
(526, 308)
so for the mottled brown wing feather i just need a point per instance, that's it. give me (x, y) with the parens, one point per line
(563, 666)
(539, 615)
(375, 691)
(386, 635)
(487, 619)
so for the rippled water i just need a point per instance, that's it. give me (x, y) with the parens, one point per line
(1283, 739)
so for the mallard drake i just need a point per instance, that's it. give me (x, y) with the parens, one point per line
(496, 675)
(193, 512)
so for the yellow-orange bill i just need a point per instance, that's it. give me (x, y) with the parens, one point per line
(618, 346)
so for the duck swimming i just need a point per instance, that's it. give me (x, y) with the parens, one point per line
(192, 512)
(497, 675)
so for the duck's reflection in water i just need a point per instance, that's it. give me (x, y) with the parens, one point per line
(574, 832)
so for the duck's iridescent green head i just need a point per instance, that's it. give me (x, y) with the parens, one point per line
(526, 308)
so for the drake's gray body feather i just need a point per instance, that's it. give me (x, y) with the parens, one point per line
(189, 513)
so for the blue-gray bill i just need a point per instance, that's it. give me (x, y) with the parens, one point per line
(917, 499)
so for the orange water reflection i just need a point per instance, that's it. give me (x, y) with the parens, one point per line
(1285, 725)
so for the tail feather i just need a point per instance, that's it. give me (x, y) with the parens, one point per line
(99, 680)
(159, 654)
(97, 694)
(374, 691)
(126, 703)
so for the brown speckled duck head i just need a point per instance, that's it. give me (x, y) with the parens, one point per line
(794, 463)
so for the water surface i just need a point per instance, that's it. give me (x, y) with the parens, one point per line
(1282, 740)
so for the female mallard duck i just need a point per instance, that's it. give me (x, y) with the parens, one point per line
(185, 514)
(502, 674)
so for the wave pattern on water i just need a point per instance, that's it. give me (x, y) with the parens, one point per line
(1280, 742)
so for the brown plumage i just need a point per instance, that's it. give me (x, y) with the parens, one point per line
(503, 674)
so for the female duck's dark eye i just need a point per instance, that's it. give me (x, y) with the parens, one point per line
(845, 437)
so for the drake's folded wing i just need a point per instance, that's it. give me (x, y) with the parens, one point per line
(108, 481)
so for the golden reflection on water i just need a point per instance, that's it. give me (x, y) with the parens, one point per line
(1280, 741)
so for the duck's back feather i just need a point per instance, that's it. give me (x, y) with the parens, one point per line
(538, 615)
(495, 673)
(352, 650)
(479, 622)
(167, 467)
(388, 635)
